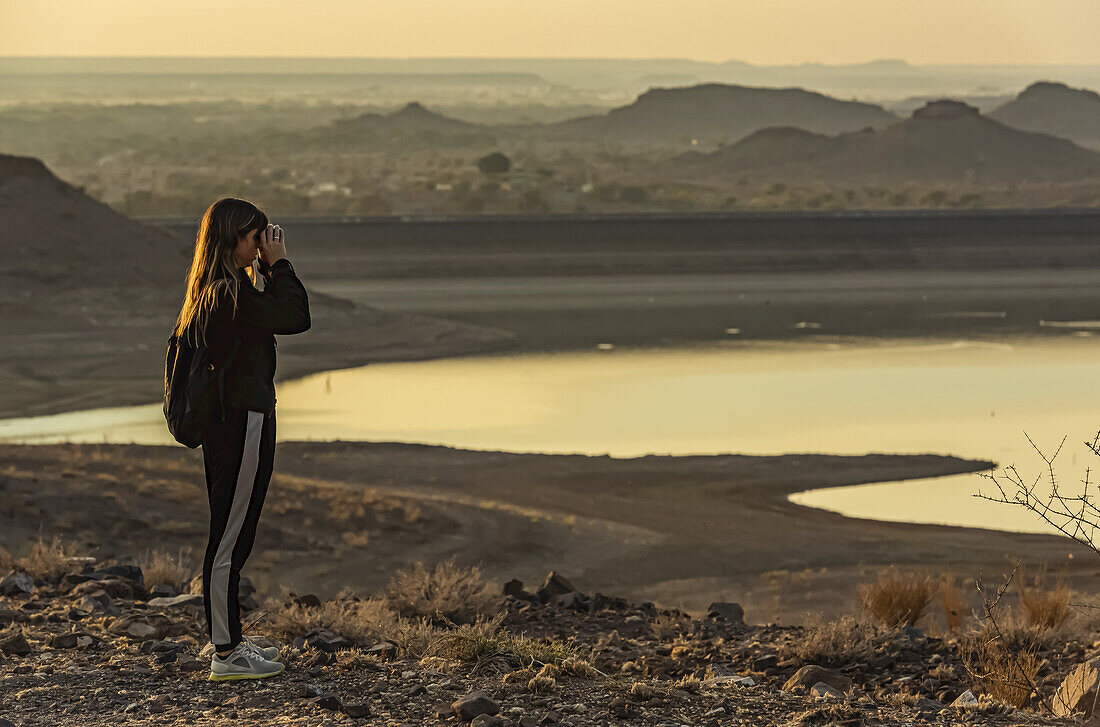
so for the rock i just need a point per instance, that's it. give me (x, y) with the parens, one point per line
(473, 704)
(486, 720)
(808, 676)
(15, 644)
(65, 641)
(355, 709)
(514, 588)
(97, 601)
(383, 649)
(731, 612)
(114, 587)
(622, 709)
(307, 600)
(327, 701)
(307, 691)
(188, 663)
(129, 572)
(140, 630)
(326, 640)
(442, 710)
(69, 580)
(185, 599)
(163, 590)
(555, 585)
(16, 583)
(967, 699)
(765, 662)
(824, 691)
(1077, 693)
(572, 600)
(6, 722)
(415, 691)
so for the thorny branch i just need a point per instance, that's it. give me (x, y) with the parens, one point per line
(1073, 515)
(989, 606)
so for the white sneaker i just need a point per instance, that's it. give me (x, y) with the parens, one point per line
(271, 653)
(242, 663)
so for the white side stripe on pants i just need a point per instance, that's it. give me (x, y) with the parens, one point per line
(242, 494)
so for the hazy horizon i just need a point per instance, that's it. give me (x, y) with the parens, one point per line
(785, 32)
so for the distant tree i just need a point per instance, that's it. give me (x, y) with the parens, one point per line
(495, 163)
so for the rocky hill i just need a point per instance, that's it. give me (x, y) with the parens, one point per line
(716, 112)
(84, 642)
(1055, 109)
(413, 121)
(944, 141)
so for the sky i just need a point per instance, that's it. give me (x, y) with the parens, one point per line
(757, 31)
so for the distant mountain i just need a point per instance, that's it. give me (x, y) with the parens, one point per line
(411, 124)
(413, 117)
(943, 141)
(1057, 109)
(719, 112)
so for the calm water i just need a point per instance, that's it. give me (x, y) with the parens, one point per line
(969, 398)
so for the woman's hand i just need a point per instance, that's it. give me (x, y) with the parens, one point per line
(272, 245)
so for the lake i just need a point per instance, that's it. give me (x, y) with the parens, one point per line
(973, 398)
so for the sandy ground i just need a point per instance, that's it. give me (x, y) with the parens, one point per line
(679, 531)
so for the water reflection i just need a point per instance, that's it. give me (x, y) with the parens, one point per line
(969, 398)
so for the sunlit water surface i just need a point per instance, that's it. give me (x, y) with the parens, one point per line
(968, 398)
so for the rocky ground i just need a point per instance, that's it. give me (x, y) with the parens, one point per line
(101, 644)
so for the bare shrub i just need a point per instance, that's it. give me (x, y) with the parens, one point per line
(1004, 674)
(161, 567)
(459, 595)
(832, 643)
(897, 599)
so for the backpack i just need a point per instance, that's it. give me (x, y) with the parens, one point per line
(194, 398)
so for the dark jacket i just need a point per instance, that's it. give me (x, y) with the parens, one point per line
(282, 308)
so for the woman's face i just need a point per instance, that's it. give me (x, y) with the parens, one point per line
(247, 248)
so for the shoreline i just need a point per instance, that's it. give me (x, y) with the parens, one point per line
(681, 531)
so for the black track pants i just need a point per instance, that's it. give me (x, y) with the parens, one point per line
(239, 456)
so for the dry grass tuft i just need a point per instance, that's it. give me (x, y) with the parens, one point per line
(361, 621)
(7, 560)
(840, 713)
(1045, 608)
(51, 560)
(519, 676)
(488, 648)
(952, 603)
(896, 599)
(161, 567)
(643, 691)
(580, 668)
(451, 593)
(689, 683)
(541, 685)
(355, 659)
(833, 643)
(669, 625)
(551, 671)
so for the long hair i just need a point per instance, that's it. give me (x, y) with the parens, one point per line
(213, 270)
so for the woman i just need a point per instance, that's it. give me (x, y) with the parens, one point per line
(237, 322)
